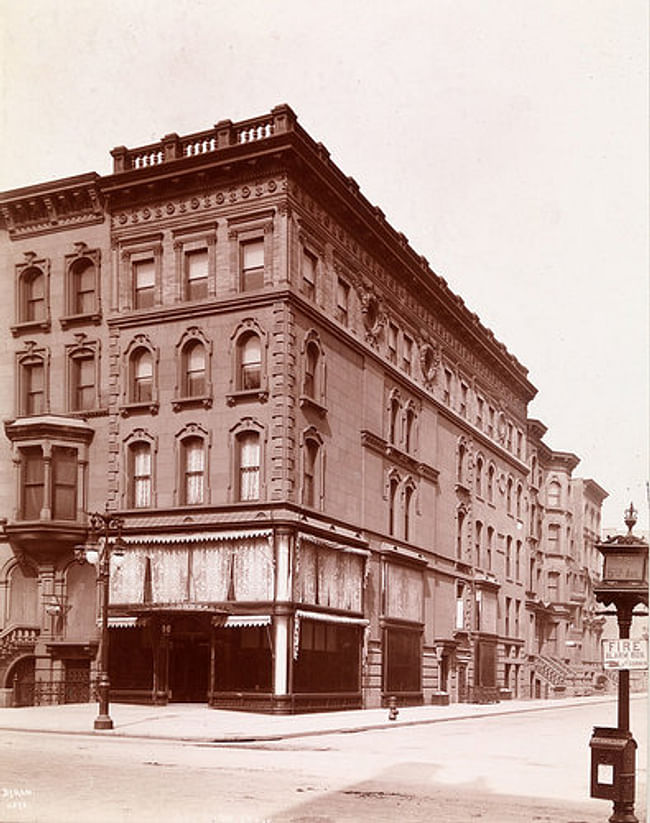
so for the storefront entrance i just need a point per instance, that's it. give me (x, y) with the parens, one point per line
(189, 668)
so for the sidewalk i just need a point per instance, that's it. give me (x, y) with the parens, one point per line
(197, 723)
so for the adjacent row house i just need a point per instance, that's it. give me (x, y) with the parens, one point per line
(331, 489)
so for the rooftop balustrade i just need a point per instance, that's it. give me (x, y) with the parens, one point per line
(223, 135)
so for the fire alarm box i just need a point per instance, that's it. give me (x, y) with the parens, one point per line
(613, 756)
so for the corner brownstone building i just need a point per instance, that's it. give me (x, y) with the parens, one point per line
(331, 489)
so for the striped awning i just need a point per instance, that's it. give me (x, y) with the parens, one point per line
(331, 618)
(194, 537)
(242, 621)
(121, 622)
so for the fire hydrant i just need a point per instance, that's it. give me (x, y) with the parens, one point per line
(393, 711)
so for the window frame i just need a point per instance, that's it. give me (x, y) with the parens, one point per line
(183, 397)
(26, 361)
(83, 351)
(138, 250)
(193, 434)
(139, 437)
(130, 405)
(246, 426)
(93, 312)
(237, 393)
(23, 321)
(190, 241)
(316, 397)
(312, 460)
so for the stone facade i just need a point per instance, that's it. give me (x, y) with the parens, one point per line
(331, 490)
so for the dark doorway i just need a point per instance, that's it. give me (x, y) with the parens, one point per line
(189, 668)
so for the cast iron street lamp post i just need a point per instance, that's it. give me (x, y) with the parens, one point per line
(624, 585)
(104, 540)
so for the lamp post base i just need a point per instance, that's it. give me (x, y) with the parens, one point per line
(623, 813)
(103, 721)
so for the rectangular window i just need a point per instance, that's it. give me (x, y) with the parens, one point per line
(252, 265)
(392, 342)
(447, 389)
(33, 483)
(509, 557)
(309, 264)
(407, 354)
(463, 399)
(83, 383)
(342, 301)
(553, 587)
(507, 627)
(144, 280)
(480, 407)
(490, 429)
(554, 538)
(460, 606)
(196, 274)
(64, 483)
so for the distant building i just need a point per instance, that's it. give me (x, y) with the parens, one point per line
(331, 488)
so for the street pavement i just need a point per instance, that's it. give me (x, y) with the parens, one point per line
(194, 722)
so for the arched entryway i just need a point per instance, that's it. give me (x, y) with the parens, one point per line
(20, 677)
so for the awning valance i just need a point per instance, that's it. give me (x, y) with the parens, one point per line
(242, 621)
(330, 544)
(331, 618)
(194, 537)
(121, 622)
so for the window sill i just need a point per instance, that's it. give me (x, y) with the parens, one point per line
(80, 319)
(309, 403)
(31, 325)
(258, 395)
(137, 408)
(191, 402)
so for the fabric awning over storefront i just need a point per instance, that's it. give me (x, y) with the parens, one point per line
(194, 537)
(242, 621)
(331, 618)
(121, 622)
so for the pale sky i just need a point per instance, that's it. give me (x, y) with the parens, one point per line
(507, 140)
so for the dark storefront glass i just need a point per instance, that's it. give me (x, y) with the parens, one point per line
(402, 671)
(328, 659)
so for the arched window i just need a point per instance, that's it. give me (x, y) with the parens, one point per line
(393, 432)
(478, 478)
(489, 547)
(460, 467)
(32, 384)
(250, 362)
(409, 420)
(460, 523)
(518, 503)
(192, 471)
(312, 355)
(392, 502)
(82, 287)
(140, 475)
(554, 494)
(478, 544)
(490, 488)
(311, 461)
(32, 289)
(141, 376)
(509, 487)
(194, 367)
(248, 465)
(408, 498)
